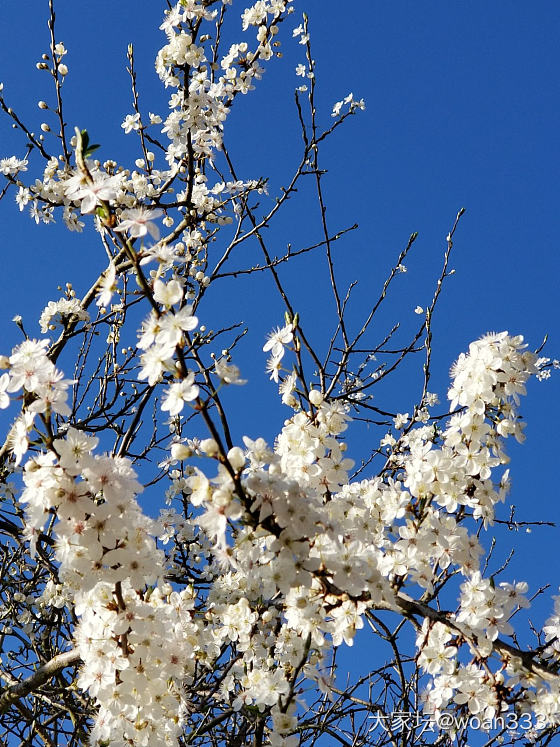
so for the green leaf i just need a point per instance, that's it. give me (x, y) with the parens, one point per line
(90, 149)
(101, 211)
(87, 147)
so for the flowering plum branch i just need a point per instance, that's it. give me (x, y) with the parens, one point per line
(219, 621)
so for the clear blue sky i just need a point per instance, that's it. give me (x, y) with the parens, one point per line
(462, 111)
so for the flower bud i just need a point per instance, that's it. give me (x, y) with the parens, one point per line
(315, 397)
(180, 451)
(236, 458)
(209, 447)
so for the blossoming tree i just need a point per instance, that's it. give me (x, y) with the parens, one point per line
(217, 619)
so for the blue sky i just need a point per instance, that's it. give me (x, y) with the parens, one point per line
(462, 111)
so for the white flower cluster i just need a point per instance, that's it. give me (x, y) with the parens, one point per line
(54, 595)
(276, 343)
(61, 312)
(197, 119)
(12, 165)
(493, 372)
(123, 199)
(486, 608)
(291, 552)
(30, 369)
(310, 552)
(135, 635)
(485, 612)
(350, 103)
(486, 385)
(161, 333)
(91, 190)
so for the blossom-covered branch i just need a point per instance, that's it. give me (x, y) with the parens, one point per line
(216, 618)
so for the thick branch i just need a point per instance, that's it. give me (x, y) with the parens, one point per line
(409, 606)
(42, 675)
